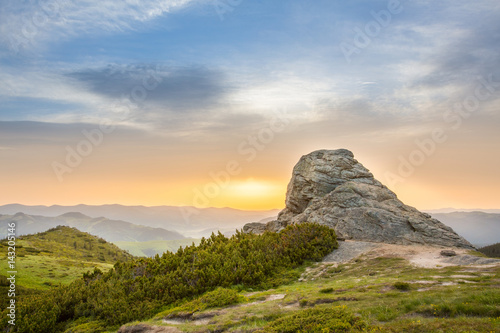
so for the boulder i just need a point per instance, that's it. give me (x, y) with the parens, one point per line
(448, 253)
(330, 187)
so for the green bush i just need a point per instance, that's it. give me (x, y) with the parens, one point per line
(403, 286)
(138, 289)
(326, 290)
(213, 299)
(320, 320)
(303, 302)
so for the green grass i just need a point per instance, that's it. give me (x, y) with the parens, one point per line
(66, 242)
(385, 294)
(150, 248)
(59, 256)
(43, 272)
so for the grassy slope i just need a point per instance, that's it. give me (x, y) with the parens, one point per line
(150, 248)
(491, 250)
(451, 299)
(58, 256)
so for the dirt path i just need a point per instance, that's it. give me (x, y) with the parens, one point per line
(419, 255)
(349, 250)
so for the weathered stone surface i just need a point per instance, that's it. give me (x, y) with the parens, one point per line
(260, 228)
(330, 187)
(448, 253)
(255, 228)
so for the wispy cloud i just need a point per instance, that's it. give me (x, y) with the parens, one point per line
(28, 24)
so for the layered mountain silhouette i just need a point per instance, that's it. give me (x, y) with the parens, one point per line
(110, 230)
(189, 221)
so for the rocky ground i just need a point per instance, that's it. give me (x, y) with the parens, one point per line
(419, 255)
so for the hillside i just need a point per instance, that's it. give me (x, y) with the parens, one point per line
(360, 287)
(491, 250)
(479, 228)
(110, 230)
(189, 221)
(144, 287)
(60, 255)
(383, 288)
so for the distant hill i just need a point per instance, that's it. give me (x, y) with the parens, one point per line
(453, 210)
(189, 221)
(151, 248)
(110, 230)
(491, 250)
(59, 255)
(479, 228)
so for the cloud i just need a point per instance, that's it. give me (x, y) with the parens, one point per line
(25, 24)
(172, 88)
(21, 134)
(470, 50)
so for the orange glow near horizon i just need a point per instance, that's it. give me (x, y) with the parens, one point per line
(257, 187)
(253, 194)
(244, 194)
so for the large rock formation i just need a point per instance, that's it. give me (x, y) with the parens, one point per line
(330, 187)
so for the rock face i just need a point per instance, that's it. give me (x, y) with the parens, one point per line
(330, 187)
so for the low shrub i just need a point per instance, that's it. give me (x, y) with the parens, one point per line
(320, 320)
(213, 299)
(403, 286)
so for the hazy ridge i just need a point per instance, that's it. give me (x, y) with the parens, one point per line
(189, 221)
(110, 230)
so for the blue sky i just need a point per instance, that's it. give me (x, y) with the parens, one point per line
(197, 77)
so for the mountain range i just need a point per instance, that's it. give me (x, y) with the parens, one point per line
(479, 228)
(110, 230)
(140, 223)
(189, 221)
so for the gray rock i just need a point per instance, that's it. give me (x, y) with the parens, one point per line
(260, 228)
(331, 188)
(255, 228)
(448, 253)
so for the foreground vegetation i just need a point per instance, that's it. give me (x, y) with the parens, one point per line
(145, 287)
(56, 256)
(384, 294)
(250, 283)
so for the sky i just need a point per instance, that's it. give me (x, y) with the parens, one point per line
(210, 103)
